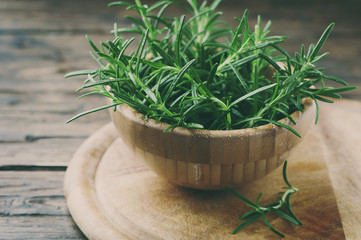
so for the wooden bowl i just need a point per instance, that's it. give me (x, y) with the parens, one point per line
(210, 159)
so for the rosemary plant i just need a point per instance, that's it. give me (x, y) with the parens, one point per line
(199, 72)
(282, 207)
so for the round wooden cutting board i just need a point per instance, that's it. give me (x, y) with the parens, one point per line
(113, 196)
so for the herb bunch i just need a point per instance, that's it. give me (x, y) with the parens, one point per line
(199, 72)
(282, 207)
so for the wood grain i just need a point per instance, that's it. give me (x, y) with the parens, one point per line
(32, 206)
(39, 227)
(195, 152)
(39, 152)
(41, 40)
(344, 162)
(71, 17)
(141, 205)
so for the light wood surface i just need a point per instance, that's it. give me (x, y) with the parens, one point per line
(343, 135)
(135, 202)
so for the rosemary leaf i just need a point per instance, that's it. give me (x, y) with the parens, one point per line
(196, 71)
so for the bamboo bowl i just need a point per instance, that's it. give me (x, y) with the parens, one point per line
(210, 159)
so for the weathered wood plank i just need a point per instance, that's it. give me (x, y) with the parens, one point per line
(47, 108)
(52, 151)
(38, 228)
(53, 15)
(72, 15)
(18, 131)
(45, 58)
(34, 93)
(25, 126)
(32, 193)
(32, 206)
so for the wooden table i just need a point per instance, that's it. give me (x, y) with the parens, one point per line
(42, 40)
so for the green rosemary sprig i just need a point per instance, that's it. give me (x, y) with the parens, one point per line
(282, 207)
(199, 72)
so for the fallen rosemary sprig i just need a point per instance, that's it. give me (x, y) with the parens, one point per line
(282, 207)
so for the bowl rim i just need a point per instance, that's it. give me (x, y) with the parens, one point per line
(139, 118)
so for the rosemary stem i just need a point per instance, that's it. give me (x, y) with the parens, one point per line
(255, 85)
(281, 208)
(282, 201)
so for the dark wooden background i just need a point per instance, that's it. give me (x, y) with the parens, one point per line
(41, 40)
